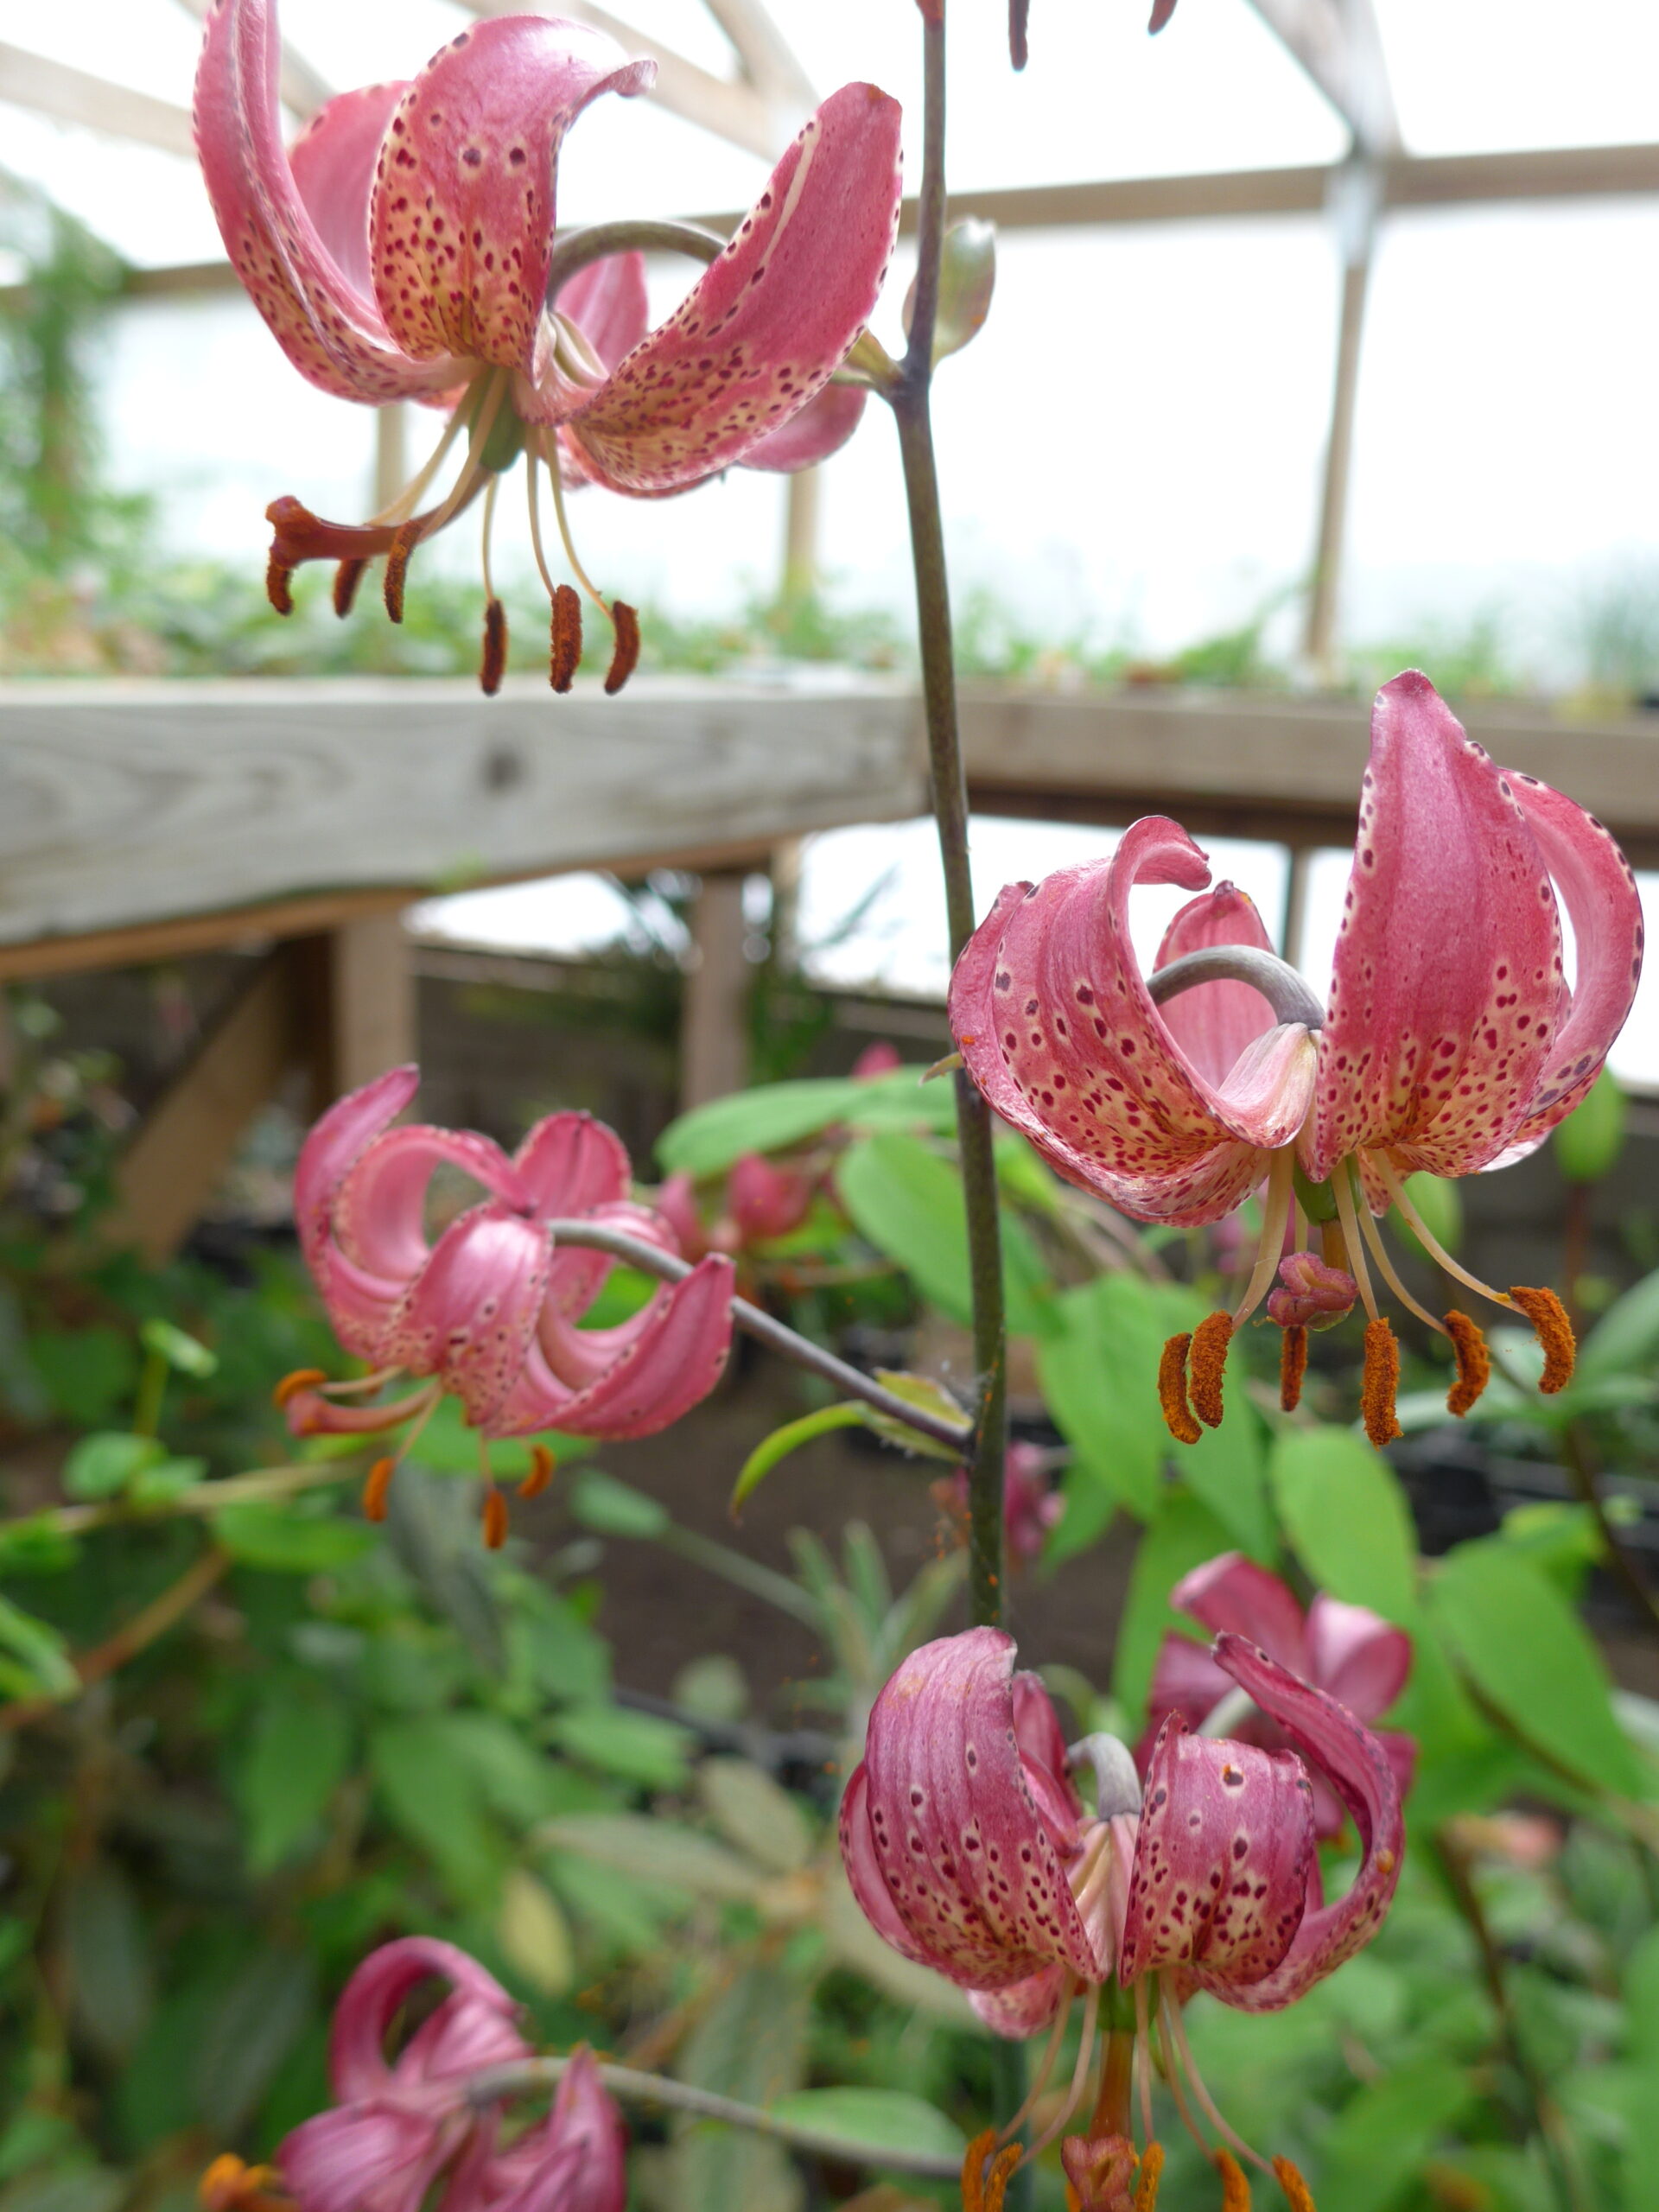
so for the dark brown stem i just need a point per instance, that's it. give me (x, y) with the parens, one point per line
(137, 1635)
(910, 402)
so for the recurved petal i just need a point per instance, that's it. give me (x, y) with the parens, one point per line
(1358, 1767)
(1219, 1882)
(1352, 1654)
(1026, 2008)
(607, 301)
(462, 214)
(1213, 1022)
(1234, 1592)
(643, 1374)
(333, 161)
(765, 1201)
(1185, 1679)
(1594, 879)
(821, 428)
(370, 2000)
(469, 1316)
(332, 333)
(1055, 1025)
(334, 1142)
(1448, 986)
(769, 322)
(569, 1163)
(974, 1872)
(379, 1213)
(578, 2161)
(362, 2156)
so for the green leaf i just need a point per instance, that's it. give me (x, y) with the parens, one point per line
(166, 1480)
(906, 1200)
(1347, 1519)
(517, 1781)
(789, 1437)
(35, 1545)
(634, 1746)
(663, 1854)
(1626, 1337)
(928, 1396)
(756, 1814)
(249, 2034)
(534, 1934)
(89, 1374)
(869, 2121)
(1380, 2140)
(1181, 1536)
(110, 1981)
(434, 1797)
(773, 1116)
(1531, 1657)
(102, 1464)
(613, 1509)
(182, 1353)
(290, 1539)
(44, 1669)
(298, 1754)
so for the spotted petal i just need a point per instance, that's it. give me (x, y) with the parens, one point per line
(473, 2027)
(335, 1142)
(1234, 1592)
(1056, 1026)
(942, 1837)
(1219, 1883)
(333, 161)
(1447, 985)
(769, 322)
(469, 1317)
(461, 219)
(1213, 1022)
(1355, 1656)
(1594, 878)
(607, 302)
(334, 333)
(822, 427)
(1358, 1767)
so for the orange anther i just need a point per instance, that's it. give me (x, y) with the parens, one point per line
(408, 538)
(1381, 1383)
(1235, 2190)
(1555, 1332)
(495, 1519)
(1474, 1363)
(347, 577)
(1208, 1363)
(626, 656)
(375, 1487)
(278, 576)
(1293, 1365)
(1172, 1390)
(1298, 2195)
(493, 666)
(1145, 2187)
(542, 1464)
(567, 636)
(985, 2184)
(302, 1378)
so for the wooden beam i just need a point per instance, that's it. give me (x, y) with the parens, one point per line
(170, 1168)
(68, 95)
(1337, 43)
(1319, 638)
(714, 1027)
(126, 805)
(729, 110)
(304, 89)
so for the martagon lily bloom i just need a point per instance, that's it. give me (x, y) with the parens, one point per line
(401, 249)
(1450, 1041)
(396, 2128)
(490, 1310)
(1349, 1652)
(970, 1851)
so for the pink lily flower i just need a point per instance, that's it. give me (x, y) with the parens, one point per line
(1450, 1040)
(394, 2128)
(970, 1851)
(1030, 1506)
(575, 2160)
(762, 1202)
(400, 250)
(489, 1310)
(1349, 1652)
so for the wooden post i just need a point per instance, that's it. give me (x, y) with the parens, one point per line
(391, 470)
(371, 1001)
(1354, 199)
(715, 1028)
(803, 504)
(1296, 882)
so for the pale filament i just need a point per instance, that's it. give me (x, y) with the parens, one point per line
(1429, 1242)
(1172, 2013)
(478, 438)
(1373, 1237)
(1172, 2076)
(533, 462)
(493, 486)
(1275, 1215)
(1051, 2052)
(1342, 1191)
(1079, 2074)
(557, 482)
(406, 501)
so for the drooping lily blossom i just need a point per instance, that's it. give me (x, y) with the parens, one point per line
(490, 1308)
(397, 2127)
(970, 1850)
(761, 1201)
(401, 249)
(1349, 1652)
(1450, 1040)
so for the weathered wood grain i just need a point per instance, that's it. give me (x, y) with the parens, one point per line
(125, 804)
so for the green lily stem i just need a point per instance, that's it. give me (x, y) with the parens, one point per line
(260, 1486)
(630, 2086)
(909, 400)
(147, 1401)
(737, 1568)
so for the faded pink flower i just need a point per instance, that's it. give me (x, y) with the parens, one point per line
(1030, 1506)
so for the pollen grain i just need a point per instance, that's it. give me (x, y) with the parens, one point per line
(408, 538)
(1293, 1366)
(1474, 1363)
(1381, 1385)
(1209, 1360)
(1172, 1390)
(1555, 1332)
